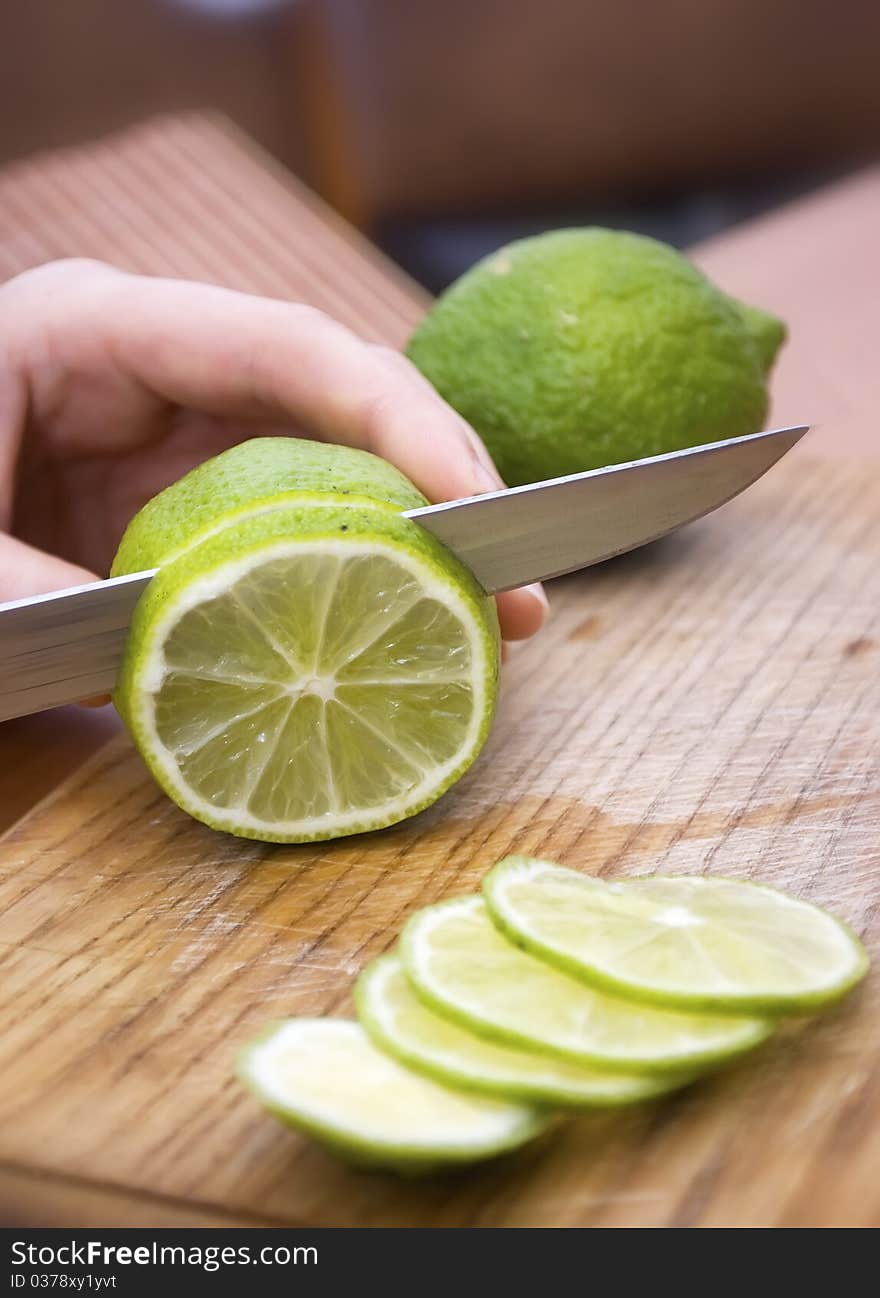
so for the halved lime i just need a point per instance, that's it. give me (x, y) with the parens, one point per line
(694, 941)
(399, 1023)
(310, 670)
(462, 966)
(324, 1077)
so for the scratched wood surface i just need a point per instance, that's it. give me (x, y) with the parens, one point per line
(712, 703)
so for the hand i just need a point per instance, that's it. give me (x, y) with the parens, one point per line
(114, 385)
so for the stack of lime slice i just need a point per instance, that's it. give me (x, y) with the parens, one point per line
(551, 990)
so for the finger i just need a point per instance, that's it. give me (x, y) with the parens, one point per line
(13, 409)
(282, 359)
(26, 571)
(522, 612)
(235, 355)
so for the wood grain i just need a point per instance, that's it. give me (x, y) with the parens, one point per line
(721, 714)
(815, 263)
(30, 1198)
(710, 703)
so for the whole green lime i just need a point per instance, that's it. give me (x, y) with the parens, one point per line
(581, 348)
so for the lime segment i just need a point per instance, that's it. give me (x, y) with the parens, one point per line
(462, 966)
(696, 941)
(324, 1077)
(399, 1023)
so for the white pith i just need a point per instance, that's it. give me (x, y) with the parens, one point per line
(308, 500)
(152, 670)
(483, 1122)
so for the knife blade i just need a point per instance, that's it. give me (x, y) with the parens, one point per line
(66, 645)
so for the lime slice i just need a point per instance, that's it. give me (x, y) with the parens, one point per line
(256, 476)
(324, 1077)
(462, 966)
(399, 1023)
(692, 941)
(310, 670)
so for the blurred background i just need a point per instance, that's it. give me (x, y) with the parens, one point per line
(444, 127)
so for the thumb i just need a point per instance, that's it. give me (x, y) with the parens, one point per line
(25, 571)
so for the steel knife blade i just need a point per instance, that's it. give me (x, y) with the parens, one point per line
(65, 646)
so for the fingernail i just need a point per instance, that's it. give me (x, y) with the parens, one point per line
(537, 592)
(485, 480)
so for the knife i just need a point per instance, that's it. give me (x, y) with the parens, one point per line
(65, 646)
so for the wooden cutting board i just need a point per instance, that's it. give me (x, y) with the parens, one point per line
(711, 703)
